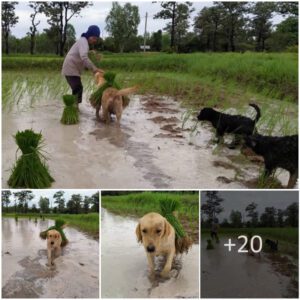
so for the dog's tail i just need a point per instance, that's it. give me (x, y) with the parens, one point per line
(258, 114)
(127, 91)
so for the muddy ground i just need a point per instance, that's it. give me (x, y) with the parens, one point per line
(24, 258)
(124, 269)
(149, 150)
(238, 275)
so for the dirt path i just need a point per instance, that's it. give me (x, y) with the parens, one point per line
(237, 275)
(150, 150)
(124, 265)
(24, 258)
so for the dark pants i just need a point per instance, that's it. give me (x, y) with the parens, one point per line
(76, 86)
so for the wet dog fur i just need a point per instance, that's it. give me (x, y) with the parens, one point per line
(53, 246)
(278, 152)
(225, 123)
(158, 237)
(112, 101)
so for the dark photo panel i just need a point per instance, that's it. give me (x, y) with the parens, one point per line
(249, 244)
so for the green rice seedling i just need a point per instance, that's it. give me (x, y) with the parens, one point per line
(30, 170)
(16, 218)
(70, 114)
(59, 224)
(35, 220)
(168, 208)
(95, 98)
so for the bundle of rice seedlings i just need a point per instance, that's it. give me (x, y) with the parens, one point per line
(70, 114)
(95, 98)
(30, 170)
(59, 225)
(209, 245)
(182, 241)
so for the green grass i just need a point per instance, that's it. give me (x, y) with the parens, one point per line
(140, 204)
(88, 223)
(271, 74)
(286, 236)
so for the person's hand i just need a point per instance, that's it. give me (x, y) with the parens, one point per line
(99, 71)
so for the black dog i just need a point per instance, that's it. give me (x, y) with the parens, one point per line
(272, 244)
(278, 152)
(224, 123)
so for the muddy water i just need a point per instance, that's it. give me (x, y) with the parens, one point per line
(150, 150)
(124, 272)
(237, 275)
(24, 258)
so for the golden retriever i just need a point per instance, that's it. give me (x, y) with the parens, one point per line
(112, 101)
(53, 245)
(158, 237)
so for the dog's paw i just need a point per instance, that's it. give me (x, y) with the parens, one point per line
(165, 274)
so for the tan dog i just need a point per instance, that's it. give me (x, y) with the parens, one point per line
(112, 103)
(158, 238)
(53, 245)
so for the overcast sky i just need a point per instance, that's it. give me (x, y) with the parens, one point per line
(49, 194)
(238, 200)
(96, 14)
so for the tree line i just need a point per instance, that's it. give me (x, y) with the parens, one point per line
(271, 217)
(18, 202)
(224, 26)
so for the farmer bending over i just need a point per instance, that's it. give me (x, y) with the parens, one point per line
(77, 60)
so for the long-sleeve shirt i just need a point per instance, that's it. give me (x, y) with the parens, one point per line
(77, 59)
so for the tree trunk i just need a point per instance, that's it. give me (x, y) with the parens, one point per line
(173, 26)
(6, 43)
(32, 37)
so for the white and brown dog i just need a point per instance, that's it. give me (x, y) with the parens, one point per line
(158, 237)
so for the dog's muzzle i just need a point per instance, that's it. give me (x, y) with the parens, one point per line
(150, 248)
(52, 243)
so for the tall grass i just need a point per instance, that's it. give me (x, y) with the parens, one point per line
(271, 74)
(85, 222)
(142, 203)
(286, 236)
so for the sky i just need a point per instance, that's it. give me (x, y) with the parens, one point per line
(96, 14)
(238, 200)
(49, 194)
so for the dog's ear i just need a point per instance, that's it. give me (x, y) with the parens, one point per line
(138, 233)
(167, 229)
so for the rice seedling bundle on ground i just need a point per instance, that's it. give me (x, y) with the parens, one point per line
(70, 114)
(30, 170)
(95, 98)
(182, 241)
(59, 224)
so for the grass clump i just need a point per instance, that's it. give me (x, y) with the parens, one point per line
(30, 170)
(70, 114)
(168, 209)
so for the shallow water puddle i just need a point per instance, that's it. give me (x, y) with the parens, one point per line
(24, 258)
(124, 269)
(238, 275)
(149, 150)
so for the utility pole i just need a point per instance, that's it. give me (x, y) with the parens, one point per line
(145, 32)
